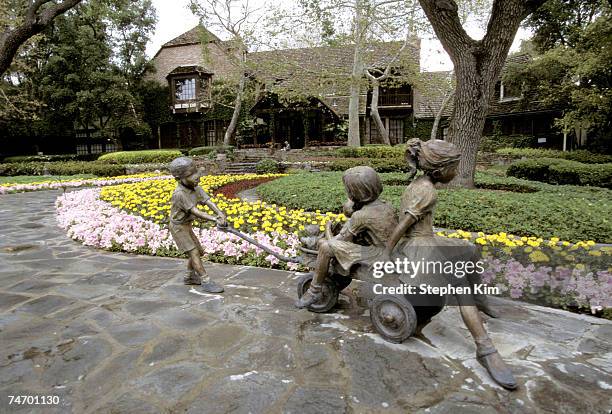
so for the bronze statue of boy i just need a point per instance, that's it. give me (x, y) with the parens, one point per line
(187, 195)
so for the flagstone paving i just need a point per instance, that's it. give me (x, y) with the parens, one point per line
(110, 332)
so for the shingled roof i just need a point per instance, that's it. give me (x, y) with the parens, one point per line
(430, 93)
(325, 69)
(321, 61)
(191, 37)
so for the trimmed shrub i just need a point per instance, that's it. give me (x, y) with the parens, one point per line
(140, 157)
(52, 158)
(381, 165)
(495, 142)
(583, 156)
(567, 212)
(268, 166)
(99, 169)
(197, 151)
(372, 151)
(560, 171)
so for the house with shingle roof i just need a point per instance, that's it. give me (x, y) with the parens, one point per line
(312, 84)
(303, 93)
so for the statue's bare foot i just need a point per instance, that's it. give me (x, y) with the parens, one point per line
(499, 371)
(312, 295)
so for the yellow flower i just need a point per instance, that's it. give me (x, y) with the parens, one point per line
(538, 256)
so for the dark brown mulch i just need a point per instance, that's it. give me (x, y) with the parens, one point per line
(232, 189)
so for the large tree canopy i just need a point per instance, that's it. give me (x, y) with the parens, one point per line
(574, 76)
(84, 70)
(561, 22)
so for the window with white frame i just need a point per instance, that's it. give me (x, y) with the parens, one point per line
(185, 89)
(111, 147)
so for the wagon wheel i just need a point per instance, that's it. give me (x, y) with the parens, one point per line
(330, 293)
(393, 317)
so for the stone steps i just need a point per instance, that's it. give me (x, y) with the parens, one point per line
(240, 168)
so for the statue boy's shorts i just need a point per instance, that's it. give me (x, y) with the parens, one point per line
(185, 238)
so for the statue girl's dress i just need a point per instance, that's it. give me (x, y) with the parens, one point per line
(414, 239)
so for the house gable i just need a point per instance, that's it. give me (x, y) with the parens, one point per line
(187, 50)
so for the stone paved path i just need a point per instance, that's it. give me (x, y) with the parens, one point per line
(117, 333)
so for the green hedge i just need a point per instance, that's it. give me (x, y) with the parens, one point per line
(560, 171)
(496, 142)
(568, 212)
(381, 165)
(99, 169)
(583, 156)
(372, 151)
(197, 151)
(52, 158)
(140, 157)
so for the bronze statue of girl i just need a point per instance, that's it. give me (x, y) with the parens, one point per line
(414, 239)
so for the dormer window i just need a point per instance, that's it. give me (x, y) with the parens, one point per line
(190, 88)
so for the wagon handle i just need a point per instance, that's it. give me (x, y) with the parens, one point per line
(261, 246)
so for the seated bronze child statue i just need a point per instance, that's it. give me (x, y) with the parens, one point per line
(371, 220)
(373, 234)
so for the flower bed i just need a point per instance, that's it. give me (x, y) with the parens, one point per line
(51, 184)
(131, 217)
(547, 272)
(151, 200)
(93, 222)
(567, 212)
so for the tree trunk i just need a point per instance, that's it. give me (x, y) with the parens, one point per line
(468, 120)
(306, 126)
(478, 65)
(438, 118)
(230, 133)
(354, 139)
(384, 133)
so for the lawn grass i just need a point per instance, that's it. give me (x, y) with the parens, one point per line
(510, 205)
(26, 179)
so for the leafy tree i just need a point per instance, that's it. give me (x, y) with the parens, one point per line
(561, 22)
(236, 18)
(576, 78)
(359, 26)
(86, 69)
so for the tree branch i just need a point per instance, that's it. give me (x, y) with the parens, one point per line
(12, 38)
(444, 18)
